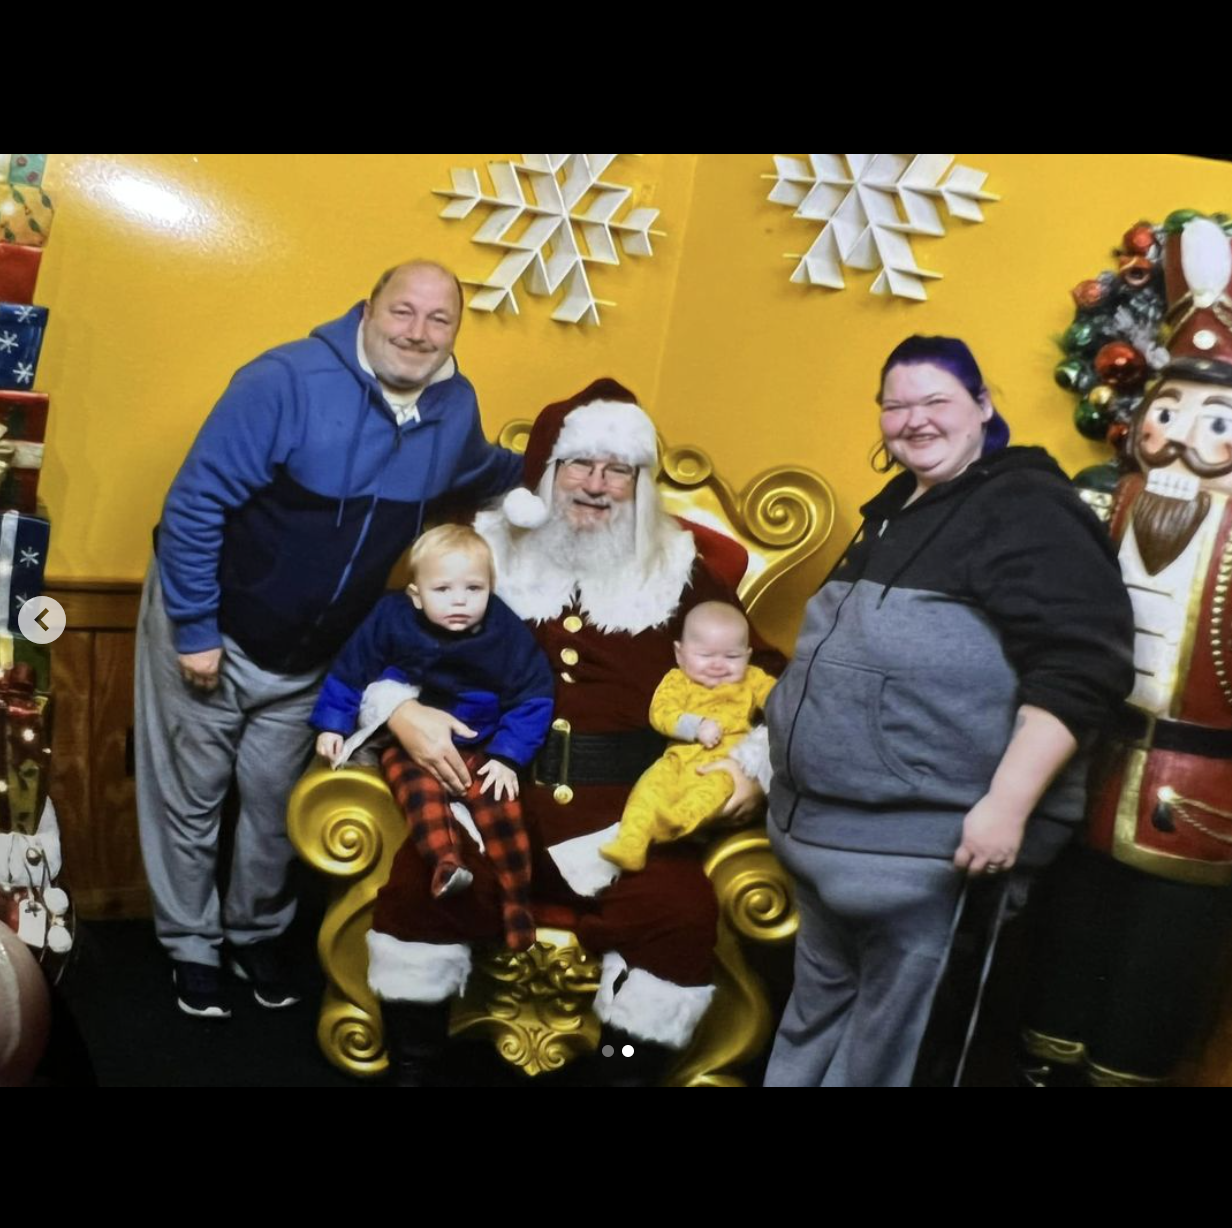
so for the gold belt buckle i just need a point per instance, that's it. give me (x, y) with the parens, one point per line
(562, 793)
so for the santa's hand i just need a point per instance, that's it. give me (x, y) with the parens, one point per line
(426, 735)
(747, 798)
(200, 669)
(329, 746)
(709, 733)
(497, 776)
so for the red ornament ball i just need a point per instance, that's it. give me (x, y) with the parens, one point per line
(1138, 240)
(1120, 365)
(1089, 293)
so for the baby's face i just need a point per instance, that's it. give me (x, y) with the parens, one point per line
(452, 590)
(713, 653)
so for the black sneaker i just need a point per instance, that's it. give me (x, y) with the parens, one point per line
(198, 990)
(263, 966)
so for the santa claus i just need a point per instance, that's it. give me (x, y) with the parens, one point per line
(1139, 921)
(604, 576)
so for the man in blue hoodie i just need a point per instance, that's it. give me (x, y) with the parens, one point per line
(310, 477)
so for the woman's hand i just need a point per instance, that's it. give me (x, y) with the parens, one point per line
(426, 735)
(1039, 748)
(991, 837)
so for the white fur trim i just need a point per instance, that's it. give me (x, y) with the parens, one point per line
(615, 429)
(632, 599)
(1206, 260)
(753, 755)
(525, 509)
(416, 971)
(381, 700)
(581, 866)
(614, 967)
(649, 1008)
(15, 870)
(463, 816)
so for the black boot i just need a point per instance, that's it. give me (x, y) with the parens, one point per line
(415, 1035)
(626, 1061)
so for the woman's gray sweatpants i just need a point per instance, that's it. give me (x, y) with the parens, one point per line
(874, 934)
(188, 744)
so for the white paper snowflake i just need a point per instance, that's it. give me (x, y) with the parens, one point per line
(24, 373)
(871, 203)
(553, 215)
(8, 342)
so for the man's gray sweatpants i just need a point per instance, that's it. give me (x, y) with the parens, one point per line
(875, 930)
(188, 744)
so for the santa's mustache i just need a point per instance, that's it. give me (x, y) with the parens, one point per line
(1189, 457)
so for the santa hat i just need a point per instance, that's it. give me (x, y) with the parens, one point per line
(603, 420)
(1198, 278)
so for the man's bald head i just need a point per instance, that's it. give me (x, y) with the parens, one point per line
(412, 265)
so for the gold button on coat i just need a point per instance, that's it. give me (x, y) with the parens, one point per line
(573, 623)
(569, 656)
(562, 795)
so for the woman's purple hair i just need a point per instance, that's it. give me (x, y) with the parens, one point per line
(953, 356)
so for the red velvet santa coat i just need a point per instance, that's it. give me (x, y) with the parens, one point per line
(661, 919)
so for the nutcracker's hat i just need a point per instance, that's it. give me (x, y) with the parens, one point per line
(1198, 282)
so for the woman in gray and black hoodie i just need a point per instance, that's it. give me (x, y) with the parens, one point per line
(929, 726)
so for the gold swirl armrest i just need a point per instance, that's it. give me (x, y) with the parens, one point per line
(346, 825)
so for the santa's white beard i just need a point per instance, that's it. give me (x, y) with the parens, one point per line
(594, 549)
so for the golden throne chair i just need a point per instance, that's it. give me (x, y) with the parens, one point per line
(535, 1005)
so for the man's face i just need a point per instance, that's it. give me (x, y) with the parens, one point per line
(1186, 431)
(590, 490)
(411, 326)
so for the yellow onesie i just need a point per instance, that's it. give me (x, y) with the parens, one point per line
(671, 799)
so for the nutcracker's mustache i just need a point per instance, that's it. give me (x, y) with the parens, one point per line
(1173, 451)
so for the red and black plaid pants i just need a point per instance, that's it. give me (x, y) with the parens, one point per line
(433, 830)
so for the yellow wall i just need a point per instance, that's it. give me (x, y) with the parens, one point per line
(150, 318)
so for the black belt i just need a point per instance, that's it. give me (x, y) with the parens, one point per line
(1135, 726)
(569, 758)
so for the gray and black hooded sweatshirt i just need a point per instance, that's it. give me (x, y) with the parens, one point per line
(997, 589)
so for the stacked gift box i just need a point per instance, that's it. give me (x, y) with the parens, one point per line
(31, 902)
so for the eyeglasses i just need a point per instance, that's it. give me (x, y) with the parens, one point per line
(615, 475)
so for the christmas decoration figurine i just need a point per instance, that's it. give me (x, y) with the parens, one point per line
(1133, 943)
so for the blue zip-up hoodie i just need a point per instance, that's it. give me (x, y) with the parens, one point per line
(299, 494)
(493, 677)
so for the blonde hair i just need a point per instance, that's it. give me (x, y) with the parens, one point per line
(451, 539)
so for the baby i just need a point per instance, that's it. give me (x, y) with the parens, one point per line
(471, 656)
(707, 705)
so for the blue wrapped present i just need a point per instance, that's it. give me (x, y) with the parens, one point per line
(27, 169)
(23, 558)
(21, 339)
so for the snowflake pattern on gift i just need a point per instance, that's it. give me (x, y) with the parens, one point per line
(8, 342)
(29, 558)
(23, 373)
(552, 214)
(871, 204)
(25, 314)
(20, 599)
